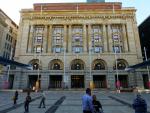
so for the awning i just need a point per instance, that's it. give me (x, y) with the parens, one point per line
(5, 62)
(140, 65)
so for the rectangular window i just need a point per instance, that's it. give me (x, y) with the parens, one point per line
(57, 50)
(117, 49)
(98, 49)
(39, 29)
(38, 49)
(77, 49)
(39, 39)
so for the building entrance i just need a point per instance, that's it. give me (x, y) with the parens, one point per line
(55, 81)
(145, 81)
(123, 80)
(77, 81)
(99, 81)
(32, 81)
(11, 81)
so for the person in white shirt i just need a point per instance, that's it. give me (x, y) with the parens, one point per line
(42, 100)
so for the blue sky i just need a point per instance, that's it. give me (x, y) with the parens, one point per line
(12, 7)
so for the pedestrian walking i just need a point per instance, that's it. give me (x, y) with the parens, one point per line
(42, 100)
(87, 104)
(139, 104)
(97, 105)
(15, 98)
(26, 103)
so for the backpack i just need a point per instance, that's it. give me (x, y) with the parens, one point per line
(28, 99)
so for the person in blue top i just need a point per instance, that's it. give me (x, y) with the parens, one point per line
(87, 104)
(139, 104)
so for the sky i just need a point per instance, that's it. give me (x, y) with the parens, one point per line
(12, 7)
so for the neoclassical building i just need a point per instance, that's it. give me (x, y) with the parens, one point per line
(72, 44)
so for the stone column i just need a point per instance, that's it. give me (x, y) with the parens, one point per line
(139, 80)
(44, 81)
(132, 79)
(45, 39)
(111, 79)
(70, 39)
(105, 38)
(131, 39)
(20, 80)
(89, 37)
(24, 41)
(137, 41)
(84, 38)
(110, 43)
(65, 37)
(30, 36)
(49, 39)
(125, 38)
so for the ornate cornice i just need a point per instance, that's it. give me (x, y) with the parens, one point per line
(75, 17)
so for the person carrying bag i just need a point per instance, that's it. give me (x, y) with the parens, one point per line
(97, 105)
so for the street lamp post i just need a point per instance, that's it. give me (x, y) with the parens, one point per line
(65, 77)
(37, 84)
(117, 82)
(91, 84)
(6, 83)
(147, 68)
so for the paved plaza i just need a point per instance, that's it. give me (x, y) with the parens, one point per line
(69, 102)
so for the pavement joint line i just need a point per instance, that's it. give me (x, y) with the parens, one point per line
(123, 102)
(18, 105)
(55, 106)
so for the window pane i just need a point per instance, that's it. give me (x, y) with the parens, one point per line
(57, 50)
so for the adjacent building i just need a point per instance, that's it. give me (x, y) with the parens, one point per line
(71, 44)
(144, 32)
(8, 39)
(8, 36)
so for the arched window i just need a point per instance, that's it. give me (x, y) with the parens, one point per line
(77, 65)
(99, 66)
(121, 64)
(35, 66)
(56, 66)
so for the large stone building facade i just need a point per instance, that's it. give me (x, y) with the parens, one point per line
(72, 44)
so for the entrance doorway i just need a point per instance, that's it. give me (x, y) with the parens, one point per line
(99, 81)
(32, 81)
(77, 81)
(145, 81)
(123, 80)
(11, 81)
(55, 81)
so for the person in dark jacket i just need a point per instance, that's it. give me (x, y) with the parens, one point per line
(139, 104)
(15, 97)
(26, 103)
(97, 105)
